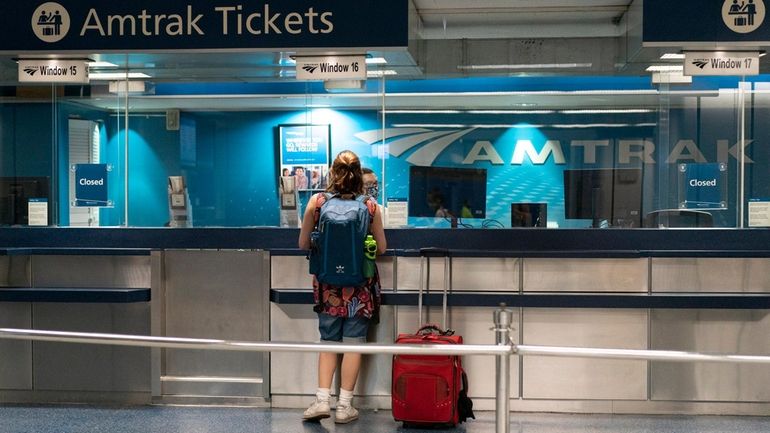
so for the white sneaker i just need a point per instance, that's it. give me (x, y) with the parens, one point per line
(317, 411)
(345, 414)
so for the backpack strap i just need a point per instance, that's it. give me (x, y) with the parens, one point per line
(319, 201)
(370, 204)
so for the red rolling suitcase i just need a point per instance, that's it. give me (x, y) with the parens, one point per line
(430, 389)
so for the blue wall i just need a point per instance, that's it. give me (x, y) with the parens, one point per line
(232, 178)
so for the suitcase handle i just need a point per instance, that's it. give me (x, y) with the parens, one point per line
(425, 255)
(431, 329)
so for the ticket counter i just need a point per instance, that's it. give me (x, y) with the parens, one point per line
(694, 290)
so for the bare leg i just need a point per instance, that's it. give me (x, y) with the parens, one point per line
(351, 364)
(327, 363)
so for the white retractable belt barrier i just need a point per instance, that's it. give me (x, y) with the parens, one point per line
(503, 349)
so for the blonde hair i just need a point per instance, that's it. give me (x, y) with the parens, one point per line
(346, 175)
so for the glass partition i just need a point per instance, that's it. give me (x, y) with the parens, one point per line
(557, 152)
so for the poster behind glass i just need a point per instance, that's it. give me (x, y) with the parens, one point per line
(304, 154)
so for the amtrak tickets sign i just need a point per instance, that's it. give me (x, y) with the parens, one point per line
(729, 22)
(146, 25)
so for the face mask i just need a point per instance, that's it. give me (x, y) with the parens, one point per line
(373, 191)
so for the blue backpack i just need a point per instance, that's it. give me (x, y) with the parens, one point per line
(337, 242)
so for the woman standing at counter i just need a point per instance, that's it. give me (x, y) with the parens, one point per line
(337, 321)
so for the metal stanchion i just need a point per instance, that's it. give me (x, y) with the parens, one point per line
(503, 319)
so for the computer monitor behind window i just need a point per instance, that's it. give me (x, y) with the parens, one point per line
(605, 196)
(529, 214)
(15, 192)
(447, 192)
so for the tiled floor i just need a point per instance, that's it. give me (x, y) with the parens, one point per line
(166, 419)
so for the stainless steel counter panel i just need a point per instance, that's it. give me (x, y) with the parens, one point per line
(742, 332)
(468, 274)
(483, 274)
(289, 272)
(293, 373)
(90, 271)
(221, 295)
(585, 275)
(693, 274)
(85, 367)
(14, 271)
(580, 378)
(297, 373)
(15, 355)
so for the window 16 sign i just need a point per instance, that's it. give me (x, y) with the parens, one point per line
(91, 185)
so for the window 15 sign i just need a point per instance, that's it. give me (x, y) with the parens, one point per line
(91, 185)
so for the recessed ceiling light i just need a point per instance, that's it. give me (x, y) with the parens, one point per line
(381, 73)
(609, 111)
(529, 66)
(116, 75)
(101, 65)
(422, 111)
(376, 61)
(672, 56)
(511, 111)
(665, 68)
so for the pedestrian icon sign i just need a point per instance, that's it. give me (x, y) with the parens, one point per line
(50, 22)
(743, 16)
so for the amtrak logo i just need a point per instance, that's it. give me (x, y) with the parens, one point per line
(340, 269)
(743, 16)
(310, 68)
(50, 22)
(429, 143)
(30, 71)
(701, 63)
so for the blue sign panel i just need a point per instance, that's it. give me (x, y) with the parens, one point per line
(703, 186)
(91, 185)
(147, 25)
(668, 22)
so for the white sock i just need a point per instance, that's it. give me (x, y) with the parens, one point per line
(345, 398)
(323, 394)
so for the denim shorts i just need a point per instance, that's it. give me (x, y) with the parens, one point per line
(348, 329)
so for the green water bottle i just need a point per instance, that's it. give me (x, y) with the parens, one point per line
(370, 254)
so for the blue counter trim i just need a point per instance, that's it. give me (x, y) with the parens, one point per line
(76, 251)
(79, 295)
(557, 300)
(535, 242)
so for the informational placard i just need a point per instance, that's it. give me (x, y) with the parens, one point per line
(53, 71)
(37, 212)
(91, 185)
(305, 154)
(721, 63)
(397, 212)
(703, 186)
(331, 68)
(759, 213)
